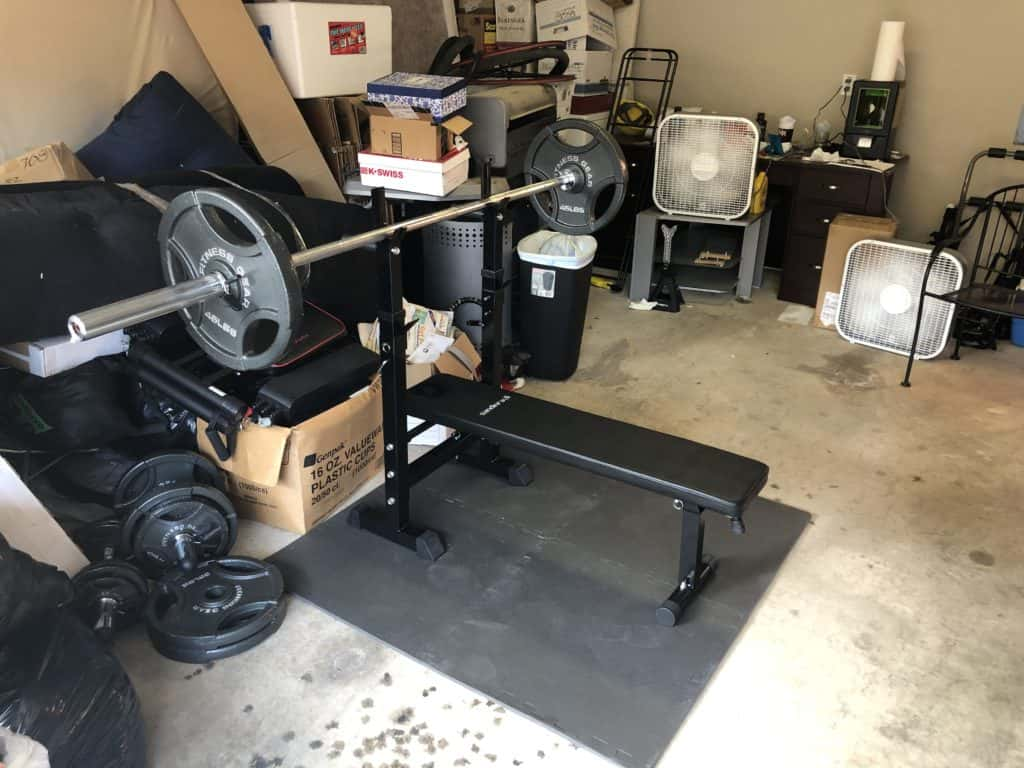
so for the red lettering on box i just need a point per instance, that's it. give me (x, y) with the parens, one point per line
(346, 37)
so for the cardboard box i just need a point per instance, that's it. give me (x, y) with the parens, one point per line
(252, 82)
(442, 95)
(341, 127)
(461, 360)
(412, 133)
(573, 19)
(435, 178)
(482, 27)
(515, 21)
(290, 478)
(51, 162)
(592, 70)
(325, 49)
(845, 230)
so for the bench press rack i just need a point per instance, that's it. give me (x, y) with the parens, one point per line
(230, 289)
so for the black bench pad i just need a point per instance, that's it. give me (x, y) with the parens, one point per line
(665, 464)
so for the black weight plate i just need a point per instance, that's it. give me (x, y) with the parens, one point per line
(220, 232)
(163, 470)
(202, 514)
(598, 165)
(118, 588)
(221, 607)
(99, 541)
(192, 654)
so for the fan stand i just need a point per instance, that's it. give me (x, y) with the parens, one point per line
(666, 291)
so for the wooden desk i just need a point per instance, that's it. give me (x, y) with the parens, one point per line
(807, 197)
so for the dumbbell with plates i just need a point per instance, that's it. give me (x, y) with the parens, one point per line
(175, 512)
(230, 275)
(110, 595)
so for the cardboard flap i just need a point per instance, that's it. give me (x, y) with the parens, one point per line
(258, 454)
(407, 112)
(457, 125)
(460, 360)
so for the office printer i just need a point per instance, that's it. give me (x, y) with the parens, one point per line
(505, 119)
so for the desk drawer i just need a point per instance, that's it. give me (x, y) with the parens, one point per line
(801, 271)
(836, 185)
(812, 218)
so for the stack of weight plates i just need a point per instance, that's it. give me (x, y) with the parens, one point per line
(177, 526)
(221, 608)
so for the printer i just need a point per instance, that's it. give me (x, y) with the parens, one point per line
(505, 119)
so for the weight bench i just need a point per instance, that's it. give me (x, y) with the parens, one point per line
(696, 477)
(240, 294)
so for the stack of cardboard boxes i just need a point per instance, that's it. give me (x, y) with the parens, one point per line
(415, 136)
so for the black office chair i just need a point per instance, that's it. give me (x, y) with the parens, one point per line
(994, 289)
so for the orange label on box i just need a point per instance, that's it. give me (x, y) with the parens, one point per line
(346, 37)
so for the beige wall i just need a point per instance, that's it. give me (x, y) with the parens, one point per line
(965, 82)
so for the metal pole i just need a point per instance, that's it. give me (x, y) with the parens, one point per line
(163, 301)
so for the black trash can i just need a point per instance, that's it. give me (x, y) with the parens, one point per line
(553, 291)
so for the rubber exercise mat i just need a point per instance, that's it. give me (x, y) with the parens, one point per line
(545, 599)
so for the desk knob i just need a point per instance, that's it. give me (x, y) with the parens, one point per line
(833, 187)
(826, 221)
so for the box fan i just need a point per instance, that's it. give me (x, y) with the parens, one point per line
(704, 165)
(881, 292)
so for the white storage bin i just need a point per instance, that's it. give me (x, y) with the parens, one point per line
(326, 49)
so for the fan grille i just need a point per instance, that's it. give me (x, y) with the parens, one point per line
(704, 165)
(881, 293)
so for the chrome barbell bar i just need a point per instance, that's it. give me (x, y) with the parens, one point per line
(163, 301)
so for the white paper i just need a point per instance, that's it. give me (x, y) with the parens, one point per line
(432, 347)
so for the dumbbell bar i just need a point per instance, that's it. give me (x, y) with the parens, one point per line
(232, 278)
(163, 301)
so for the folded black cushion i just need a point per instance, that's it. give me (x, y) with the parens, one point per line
(162, 128)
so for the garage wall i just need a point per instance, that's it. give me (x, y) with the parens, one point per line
(965, 82)
(67, 67)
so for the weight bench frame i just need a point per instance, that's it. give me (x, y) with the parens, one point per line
(392, 520)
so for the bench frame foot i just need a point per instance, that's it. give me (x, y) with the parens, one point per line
(427, 544)
(487, 458)
(695, 570)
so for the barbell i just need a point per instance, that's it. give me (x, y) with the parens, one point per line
(230, 275)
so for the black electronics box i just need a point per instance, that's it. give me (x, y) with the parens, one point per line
(313, 387)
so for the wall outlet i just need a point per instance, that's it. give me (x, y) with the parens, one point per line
(848, 81)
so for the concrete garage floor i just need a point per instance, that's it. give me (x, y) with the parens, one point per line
(891, 637)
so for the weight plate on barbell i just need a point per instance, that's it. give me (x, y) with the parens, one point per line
(222, 608)
(110, 595)
(218, 232)
(179, 527)
(597, 165)
(164, 470)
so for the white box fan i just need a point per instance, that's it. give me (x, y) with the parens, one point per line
(881, 290)
(704, 165)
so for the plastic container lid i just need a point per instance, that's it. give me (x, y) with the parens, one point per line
(553, 249)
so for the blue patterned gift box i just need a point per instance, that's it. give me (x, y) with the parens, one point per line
(442, 95)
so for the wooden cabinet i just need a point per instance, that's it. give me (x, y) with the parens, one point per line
(811, 195)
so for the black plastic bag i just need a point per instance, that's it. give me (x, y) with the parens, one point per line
(58, 684)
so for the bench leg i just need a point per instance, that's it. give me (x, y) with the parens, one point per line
(694, 569)
(487, 457)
